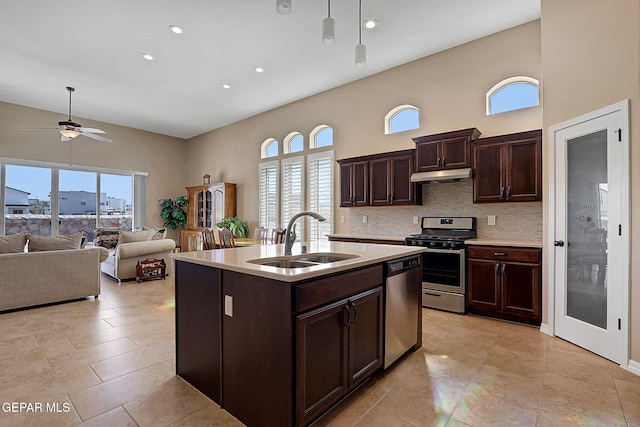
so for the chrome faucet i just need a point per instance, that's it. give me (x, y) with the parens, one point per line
(290, 235)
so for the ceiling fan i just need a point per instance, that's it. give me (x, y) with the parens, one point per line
(70, 129)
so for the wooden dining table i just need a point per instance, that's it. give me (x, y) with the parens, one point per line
(245, 241)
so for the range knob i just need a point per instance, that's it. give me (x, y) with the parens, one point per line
(445, 244)
(432, 243)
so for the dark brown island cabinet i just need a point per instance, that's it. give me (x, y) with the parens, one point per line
(276, 353)
(508, 168)
(505, 283)
(449, 150)
(379, 180)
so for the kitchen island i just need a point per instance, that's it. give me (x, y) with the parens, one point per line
(280, 346)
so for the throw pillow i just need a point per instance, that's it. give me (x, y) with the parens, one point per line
(107, 237)
(14, 243)
(160, 234)
(54, 243)
(136, 236)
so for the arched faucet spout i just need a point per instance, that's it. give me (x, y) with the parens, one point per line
(290, 235)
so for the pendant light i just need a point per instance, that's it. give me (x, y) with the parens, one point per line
(328, 27)
(283, 7)
(361, 50)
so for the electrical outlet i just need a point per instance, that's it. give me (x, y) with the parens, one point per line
(491, 220)
(364, 219)
(341, 219)
(228, 305)
(415, 220)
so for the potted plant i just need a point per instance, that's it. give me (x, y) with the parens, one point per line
(238, 227)
(173, 212)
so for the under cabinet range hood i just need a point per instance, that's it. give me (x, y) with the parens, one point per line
(442, 175)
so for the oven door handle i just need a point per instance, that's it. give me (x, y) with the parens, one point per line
(445, 251)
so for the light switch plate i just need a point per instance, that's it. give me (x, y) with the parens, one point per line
(228, 305)
(364, 219)
(491, 220)
(415, 220)
(341, 219)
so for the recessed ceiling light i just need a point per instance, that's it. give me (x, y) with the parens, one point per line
(175, 29)
(147, 56)
(226, 86)
(259, 70)
(370, 23)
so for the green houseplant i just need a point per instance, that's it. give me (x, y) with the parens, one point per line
(173, 212)
(238, 227)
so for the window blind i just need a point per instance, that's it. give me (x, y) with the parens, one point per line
(293, 192)
(269, 200)
(321, 193)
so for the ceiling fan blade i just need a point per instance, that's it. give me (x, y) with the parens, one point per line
(94, 136)
(64, 138)
(92, 130)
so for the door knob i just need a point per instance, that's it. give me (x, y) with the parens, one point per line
(558, 243)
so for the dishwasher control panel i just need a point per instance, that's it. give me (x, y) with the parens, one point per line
(402, 264)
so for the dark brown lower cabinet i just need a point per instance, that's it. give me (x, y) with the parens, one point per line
(505, 283)
(339, 346)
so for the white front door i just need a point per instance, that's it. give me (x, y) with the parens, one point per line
(590, 231)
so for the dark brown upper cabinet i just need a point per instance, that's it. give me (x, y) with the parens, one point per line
(508, 168)
(354, 183)
(388, 182)
(449, 150)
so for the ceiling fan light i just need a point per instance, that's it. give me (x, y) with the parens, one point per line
(283, 7)
(69, 133)
(328, 31)
(361, 54)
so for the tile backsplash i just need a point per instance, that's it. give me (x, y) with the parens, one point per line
(514, 221)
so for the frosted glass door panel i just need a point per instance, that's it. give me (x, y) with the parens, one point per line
(587, 223)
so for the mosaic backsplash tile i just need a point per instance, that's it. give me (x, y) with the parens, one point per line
(514, 221)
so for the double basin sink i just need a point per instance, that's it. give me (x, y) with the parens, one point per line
(302, 260)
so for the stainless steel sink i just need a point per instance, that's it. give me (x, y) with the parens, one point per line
(325, 257)
(284, 263)
(303, 260)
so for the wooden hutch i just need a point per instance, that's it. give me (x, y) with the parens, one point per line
(208, 205)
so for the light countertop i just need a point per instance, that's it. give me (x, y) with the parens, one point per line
(235, 259)
(502, 242)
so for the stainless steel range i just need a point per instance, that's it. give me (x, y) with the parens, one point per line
(443, 264)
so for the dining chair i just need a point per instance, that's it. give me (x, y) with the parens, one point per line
(277, 235)
(226, 238)
(208, 239)
(260, 234)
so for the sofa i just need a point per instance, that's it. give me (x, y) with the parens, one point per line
(47, 273)
(131, 247)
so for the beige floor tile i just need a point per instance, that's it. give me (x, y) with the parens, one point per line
(173, 401)
(581, 365)
(132, 361)
(629, 394)
(491, 384)
(210, 416)
(379, 417)
(446, 368)
(88, 355)
(115, 418)
(573, 399)
(508, 361)
(484, 410)
(104, 397)
(153, 336)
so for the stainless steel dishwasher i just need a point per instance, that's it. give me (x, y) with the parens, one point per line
(402, 303)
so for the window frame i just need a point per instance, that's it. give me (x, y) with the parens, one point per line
(388, 118)
(508, 82)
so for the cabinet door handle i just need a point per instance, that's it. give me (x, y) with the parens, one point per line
(496, 269)
(504, 266)
(438, 164)
(508, 192)
(501, 191)
(346, 320)
(499, 254)
(391, 198)
(355, 314)
(444, 161)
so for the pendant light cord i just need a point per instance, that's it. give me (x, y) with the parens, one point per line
(360, 21)
(329, 8)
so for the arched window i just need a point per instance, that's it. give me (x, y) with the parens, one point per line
(321, 136)
(513, 93)
(293, 143)
(401, 118)
(269, 148)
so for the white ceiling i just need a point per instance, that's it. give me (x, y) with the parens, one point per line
(96, 46)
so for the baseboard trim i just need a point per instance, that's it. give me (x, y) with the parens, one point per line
(634, 367)
(544, 328)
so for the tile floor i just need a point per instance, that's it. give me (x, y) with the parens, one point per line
(110, 362)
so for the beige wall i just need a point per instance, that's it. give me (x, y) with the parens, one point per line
(449, 88)
(590, 59)
(162, 157)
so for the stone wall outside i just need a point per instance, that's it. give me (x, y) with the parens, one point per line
(40, 225)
